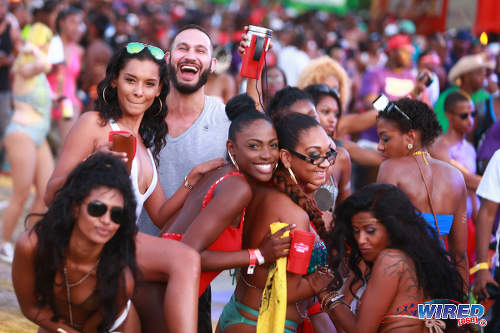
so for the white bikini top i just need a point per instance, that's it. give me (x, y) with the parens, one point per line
(134, 177)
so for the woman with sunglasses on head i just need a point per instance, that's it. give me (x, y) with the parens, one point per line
(406, 265)
(306, 152)
(214, 214)
(74, 271)
(406, 129)
(131, 98)
(329, 108)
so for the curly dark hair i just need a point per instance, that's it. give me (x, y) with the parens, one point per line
(318, 91)
(153, 129)
(55, 228)
(285, 98)
(422, 119)
(407, 231)
(290, 129)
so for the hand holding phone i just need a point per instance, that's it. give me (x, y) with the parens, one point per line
(423, 75)
(124, 141)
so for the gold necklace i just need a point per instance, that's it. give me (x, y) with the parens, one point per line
(71, 285)
(424, 154)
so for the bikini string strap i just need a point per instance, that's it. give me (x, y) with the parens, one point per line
(428, 195)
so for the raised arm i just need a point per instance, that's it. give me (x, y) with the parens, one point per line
(361, 155)
(39, 65)
(86, 136)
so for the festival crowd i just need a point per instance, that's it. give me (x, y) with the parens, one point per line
(356, 177)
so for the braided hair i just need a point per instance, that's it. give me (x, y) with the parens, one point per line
(290, 128)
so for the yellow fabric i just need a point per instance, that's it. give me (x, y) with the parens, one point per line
(272, 312)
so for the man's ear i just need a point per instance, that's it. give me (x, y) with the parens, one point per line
(212, 65)
(286, 158)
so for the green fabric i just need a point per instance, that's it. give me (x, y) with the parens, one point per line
(337, 6)
(231, 316)
(476, 97)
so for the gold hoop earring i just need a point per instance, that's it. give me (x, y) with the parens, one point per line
(104, 94)
(161, 107)
(292, 175)
(410, 146)
(233, 161)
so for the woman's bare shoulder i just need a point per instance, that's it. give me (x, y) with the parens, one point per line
(27, 242)
(392, 263)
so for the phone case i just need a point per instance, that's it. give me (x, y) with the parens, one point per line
(124, 141)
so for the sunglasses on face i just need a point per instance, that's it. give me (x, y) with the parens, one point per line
(97, 209)
(136, 47)
(464, 116)
(331, 156)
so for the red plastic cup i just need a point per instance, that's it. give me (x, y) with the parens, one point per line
(300, 251)
(253, 59)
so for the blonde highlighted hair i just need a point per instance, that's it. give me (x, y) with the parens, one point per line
(317, 72)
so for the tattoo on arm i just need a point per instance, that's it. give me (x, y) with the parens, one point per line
(402, 267)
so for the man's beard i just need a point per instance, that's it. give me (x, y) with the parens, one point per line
(185, 88)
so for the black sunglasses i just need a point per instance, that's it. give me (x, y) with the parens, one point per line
(464, 116)
(97, 209)
(331, 156)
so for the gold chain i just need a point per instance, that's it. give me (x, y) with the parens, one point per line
(71, 285)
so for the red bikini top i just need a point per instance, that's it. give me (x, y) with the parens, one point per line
(229, 240)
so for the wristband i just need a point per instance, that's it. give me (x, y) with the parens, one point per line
(478, 267)
(260, 257)
(253, 261)
(315, 309)
(187, 184)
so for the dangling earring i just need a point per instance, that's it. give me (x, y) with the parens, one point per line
(104, 94)
(161, 107)
(233, 161)
(410, 146)
(292, 176)
(275, 167)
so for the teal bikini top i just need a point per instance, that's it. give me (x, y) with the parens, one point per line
(319, 257)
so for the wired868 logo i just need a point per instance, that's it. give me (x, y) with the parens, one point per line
(444, 309)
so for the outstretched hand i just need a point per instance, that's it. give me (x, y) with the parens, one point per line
(203, 168)
(273, 246)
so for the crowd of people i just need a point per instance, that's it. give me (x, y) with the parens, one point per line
(380, 143)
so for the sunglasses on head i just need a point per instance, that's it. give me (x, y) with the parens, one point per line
(464, 116)
(136, 47)
(331, 156)
(97, 208)
(324, 89)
